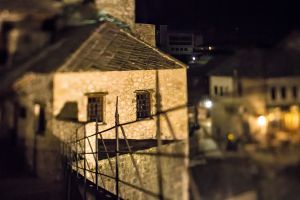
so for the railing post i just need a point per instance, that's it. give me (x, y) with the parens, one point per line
(117, 149)
(96, 156)
(84, 168)
(76, 149)
(159, 142)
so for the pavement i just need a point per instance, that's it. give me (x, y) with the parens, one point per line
(249, 174)
(30, 189)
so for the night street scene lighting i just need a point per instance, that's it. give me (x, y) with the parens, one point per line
(149, 99)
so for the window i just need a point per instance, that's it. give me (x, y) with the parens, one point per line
(143, 105)
(240, 89)
(185, 43)
(216, 90)
(173, 38)
(226, 90)
(172, 49)
(41, 119)
(283, 92)
(23, 112)
(186, 38)
(181, 49)
(221, 91)
(295, 92)
(185, 49)
(95, 108)
(273, 93)
(177, 49)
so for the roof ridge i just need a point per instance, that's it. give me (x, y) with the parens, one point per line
(156, 49)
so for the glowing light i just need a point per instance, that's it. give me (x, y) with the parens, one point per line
(230, 136)
(209, 48)
(5, 14)
(36, 109)
(194, 58)
(262, 120)
(208, 104)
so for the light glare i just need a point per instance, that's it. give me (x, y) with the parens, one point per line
(208, 104)
(262, 120)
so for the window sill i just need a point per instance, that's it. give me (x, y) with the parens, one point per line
(144, 119)
(99, 123)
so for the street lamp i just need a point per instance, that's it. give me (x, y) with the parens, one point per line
(262, 121)
(208, 104)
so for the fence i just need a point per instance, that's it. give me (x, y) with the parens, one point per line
(72, 155)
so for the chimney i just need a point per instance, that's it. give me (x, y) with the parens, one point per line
(145, 32)
(163, 32)
(123, 10)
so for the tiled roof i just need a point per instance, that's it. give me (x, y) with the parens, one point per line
(96, 47)
(112, 49)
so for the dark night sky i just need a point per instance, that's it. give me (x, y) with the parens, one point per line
(250, 16)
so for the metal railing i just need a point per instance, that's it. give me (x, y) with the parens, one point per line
(69, 154)
(159, 154)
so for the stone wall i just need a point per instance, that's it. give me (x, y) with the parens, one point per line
(71, 87)
(146, 33)
(174, 169)
(174, 174)
(42, 151)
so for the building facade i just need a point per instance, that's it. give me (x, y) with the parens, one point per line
(179, 44)
(72, 85)
(255, 96)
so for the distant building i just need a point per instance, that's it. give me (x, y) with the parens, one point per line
(179, 44)
(255, 92)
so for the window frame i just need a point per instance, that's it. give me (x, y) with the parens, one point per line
(295, 92)
(221, 91)
(283, 92)
(149, 106)
(102, 102)
(41, 119)
(273, 93)
(215, 90)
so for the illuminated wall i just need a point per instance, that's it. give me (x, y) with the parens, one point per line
(71, 87)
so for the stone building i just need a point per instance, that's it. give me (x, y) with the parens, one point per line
(67, 85)
(255, 92)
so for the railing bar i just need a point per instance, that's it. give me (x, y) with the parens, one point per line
(169, 125)
(159, 143)
(126, 183)
(93, 152)
(96, 155)
(117, 149)
(96, 133)
(142, 153)
(134, 163)
(141, 189)
(112, 170)
(76, 148)
(127, 123)
(85, 159)
(84, 148)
